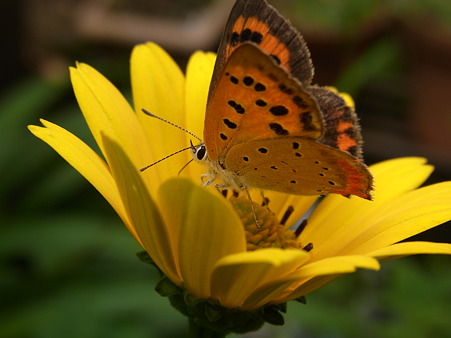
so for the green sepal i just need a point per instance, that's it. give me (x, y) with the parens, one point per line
(273, 314)
(145, 258)
(301, 299)
(166, 288)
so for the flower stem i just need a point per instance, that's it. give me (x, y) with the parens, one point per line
(196, 331)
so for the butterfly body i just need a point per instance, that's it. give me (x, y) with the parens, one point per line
(266, 126)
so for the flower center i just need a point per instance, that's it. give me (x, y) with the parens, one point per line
(269, 233)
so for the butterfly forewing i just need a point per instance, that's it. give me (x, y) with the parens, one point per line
(298, 165)
(257, 99)
(259, 23)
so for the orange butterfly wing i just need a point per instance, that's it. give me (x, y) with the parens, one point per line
(298, 166)
(257, 22)
(261, 101)
(256, 99)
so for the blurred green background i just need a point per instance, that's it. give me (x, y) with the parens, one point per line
(68, 265)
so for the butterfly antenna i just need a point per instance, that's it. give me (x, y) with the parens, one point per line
(178, 151)
(180, 171)
(172, 124)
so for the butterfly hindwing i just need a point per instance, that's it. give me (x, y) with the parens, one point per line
(342, 129)
(257, 99)
(300, 166)
(259, 23)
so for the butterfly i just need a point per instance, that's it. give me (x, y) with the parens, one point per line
(266, 125)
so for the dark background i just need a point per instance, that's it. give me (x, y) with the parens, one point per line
(67, 265)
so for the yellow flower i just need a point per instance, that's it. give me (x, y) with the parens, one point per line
(193, 234)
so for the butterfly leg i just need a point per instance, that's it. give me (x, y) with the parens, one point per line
(252, 206)
(209, 181)
(221, 186)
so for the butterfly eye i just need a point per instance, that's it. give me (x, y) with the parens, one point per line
(201, 153)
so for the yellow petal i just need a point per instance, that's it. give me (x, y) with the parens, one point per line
(410, 248)
(305, 287)
(408, 215)
(348, 99)
(345, 96)
(317, 274)
(108, 113)
(198, 77)
(337, 265)
(266, 294)
(85, 161)
(237, 278)
(398, 176)
(204, 228)
(337, 219)
(158, 83)
(158, 86)
(142, 210)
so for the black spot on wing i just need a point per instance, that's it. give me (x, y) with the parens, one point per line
(234, 39)
(286, 89)
(351, 132)
(238, 108)
(245, 35)
(354, 150)
(229, 124)
(278, 129)
(299, 101)
(248, 81)
(259, 87)
(256, 37)
(278, 110)
(306, 120)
